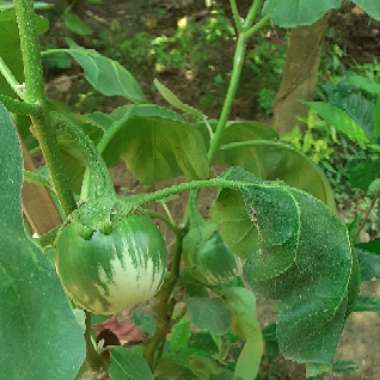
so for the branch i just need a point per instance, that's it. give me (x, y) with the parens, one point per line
(252, 13)
(236, 15)
(17, 107)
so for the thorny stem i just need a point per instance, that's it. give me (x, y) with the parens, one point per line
(46, 136)
(34, 95)
(164, 307)
(18, 107)
(139, 200)
(30, 48)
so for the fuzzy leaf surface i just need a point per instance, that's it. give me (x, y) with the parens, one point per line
(297, 252)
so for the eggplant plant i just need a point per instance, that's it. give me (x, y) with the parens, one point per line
(272, 226)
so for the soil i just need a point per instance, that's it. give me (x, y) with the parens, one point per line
(360, 40)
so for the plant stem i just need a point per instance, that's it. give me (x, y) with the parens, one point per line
(97, 182)
(239, 57)
(93, 358)
(163, 218)
(164, 308)
(367, 214)
(232, 89)
(30, 48)
(139, 200)
(18, 107)
(252, 13)
(34, 95)
(10, 78)
(46, 136)
(236, 15)
(255, 28)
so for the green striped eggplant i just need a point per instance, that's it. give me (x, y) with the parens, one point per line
(108, 272)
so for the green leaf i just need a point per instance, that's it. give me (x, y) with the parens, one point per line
(128, 364)
(40, 336)
(180, 335)
(364, 83)
(10, 50)
(369, 265)
(271, 160)
(242, 304)
(340, 120)
(157, 145)
(292, 13)
(209, 314)
(364, 304)
(372, 7)
(369, 259)
(107, 76)
(362, 172)
(237, 131)
(76, 25)
(174, 101)
(298, 253)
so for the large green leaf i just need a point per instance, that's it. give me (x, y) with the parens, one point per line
(40, 337)
(242, 304)
(271, 160)
(127, 364)
(107, 76)
(372, 7)
(292, 13)
(10, 46)
(157, 145)
(297, 252)
(340, 120)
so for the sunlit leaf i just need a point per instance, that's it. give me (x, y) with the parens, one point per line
(157, 145)
(107, 76)
(292, 13)
(340, 120)
(271, 160)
